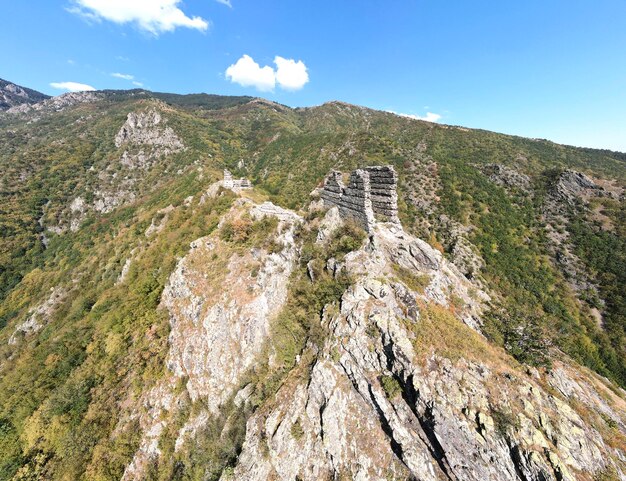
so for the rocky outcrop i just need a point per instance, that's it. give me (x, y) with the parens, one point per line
(463, 253)
(214, 340)
(146, 138)
(220, 304)
(40, 315)
(159, 221)
(571, 186)
(507, 177)
(568, 195)
(146, 128)
(14, 96)
(401, 386)
(378, 404)
(58, 103)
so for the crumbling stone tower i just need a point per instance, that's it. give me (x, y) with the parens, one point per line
(235, 184)
(371, 195)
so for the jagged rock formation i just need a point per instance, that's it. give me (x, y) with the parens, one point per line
(373, 368)
(374, 408)
(570, 186)
(382, 399)
(146, 139)
(145, 128)
(218, 325)
(369, 196)
(463, 253)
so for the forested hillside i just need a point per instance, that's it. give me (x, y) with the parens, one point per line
(103, 192)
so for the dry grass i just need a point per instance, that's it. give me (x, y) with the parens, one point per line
(439, 331)
(416, 282)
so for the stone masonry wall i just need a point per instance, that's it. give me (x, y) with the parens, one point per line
(383, 192)
(235, 184)
(370, 195)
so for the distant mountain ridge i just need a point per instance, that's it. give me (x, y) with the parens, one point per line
(12, 95)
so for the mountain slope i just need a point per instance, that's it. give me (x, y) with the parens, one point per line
(12, 95)
(125, 269)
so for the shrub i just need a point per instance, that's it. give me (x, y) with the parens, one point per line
(296, 431)
(391, 386)
(349, 237)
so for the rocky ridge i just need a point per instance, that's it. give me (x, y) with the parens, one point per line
(373, 407)
(403, 386)
(14, 96)
(219, 324)
(58, 103)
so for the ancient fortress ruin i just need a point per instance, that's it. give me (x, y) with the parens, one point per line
(371, 195)
(235, 184)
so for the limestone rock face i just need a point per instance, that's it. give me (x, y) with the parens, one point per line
(213, 341)
(146, 128)
(368, 410)
(219, 323)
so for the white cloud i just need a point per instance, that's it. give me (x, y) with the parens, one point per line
(137, 84)
(247, 73)
(71, 86)
(429, 117)
(289, 74)
(154, 16)
(124, 76)
(225, 2)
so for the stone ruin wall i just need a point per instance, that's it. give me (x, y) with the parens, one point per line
(235, 184)
(371, 195)
(384, 193)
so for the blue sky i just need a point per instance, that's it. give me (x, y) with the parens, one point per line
(552, 69)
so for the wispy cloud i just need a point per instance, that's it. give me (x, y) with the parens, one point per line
(72, 86)
(225, 2)
(154, 16)
(289, 74)
(124, 76)
(129, 77)
(429, 117)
